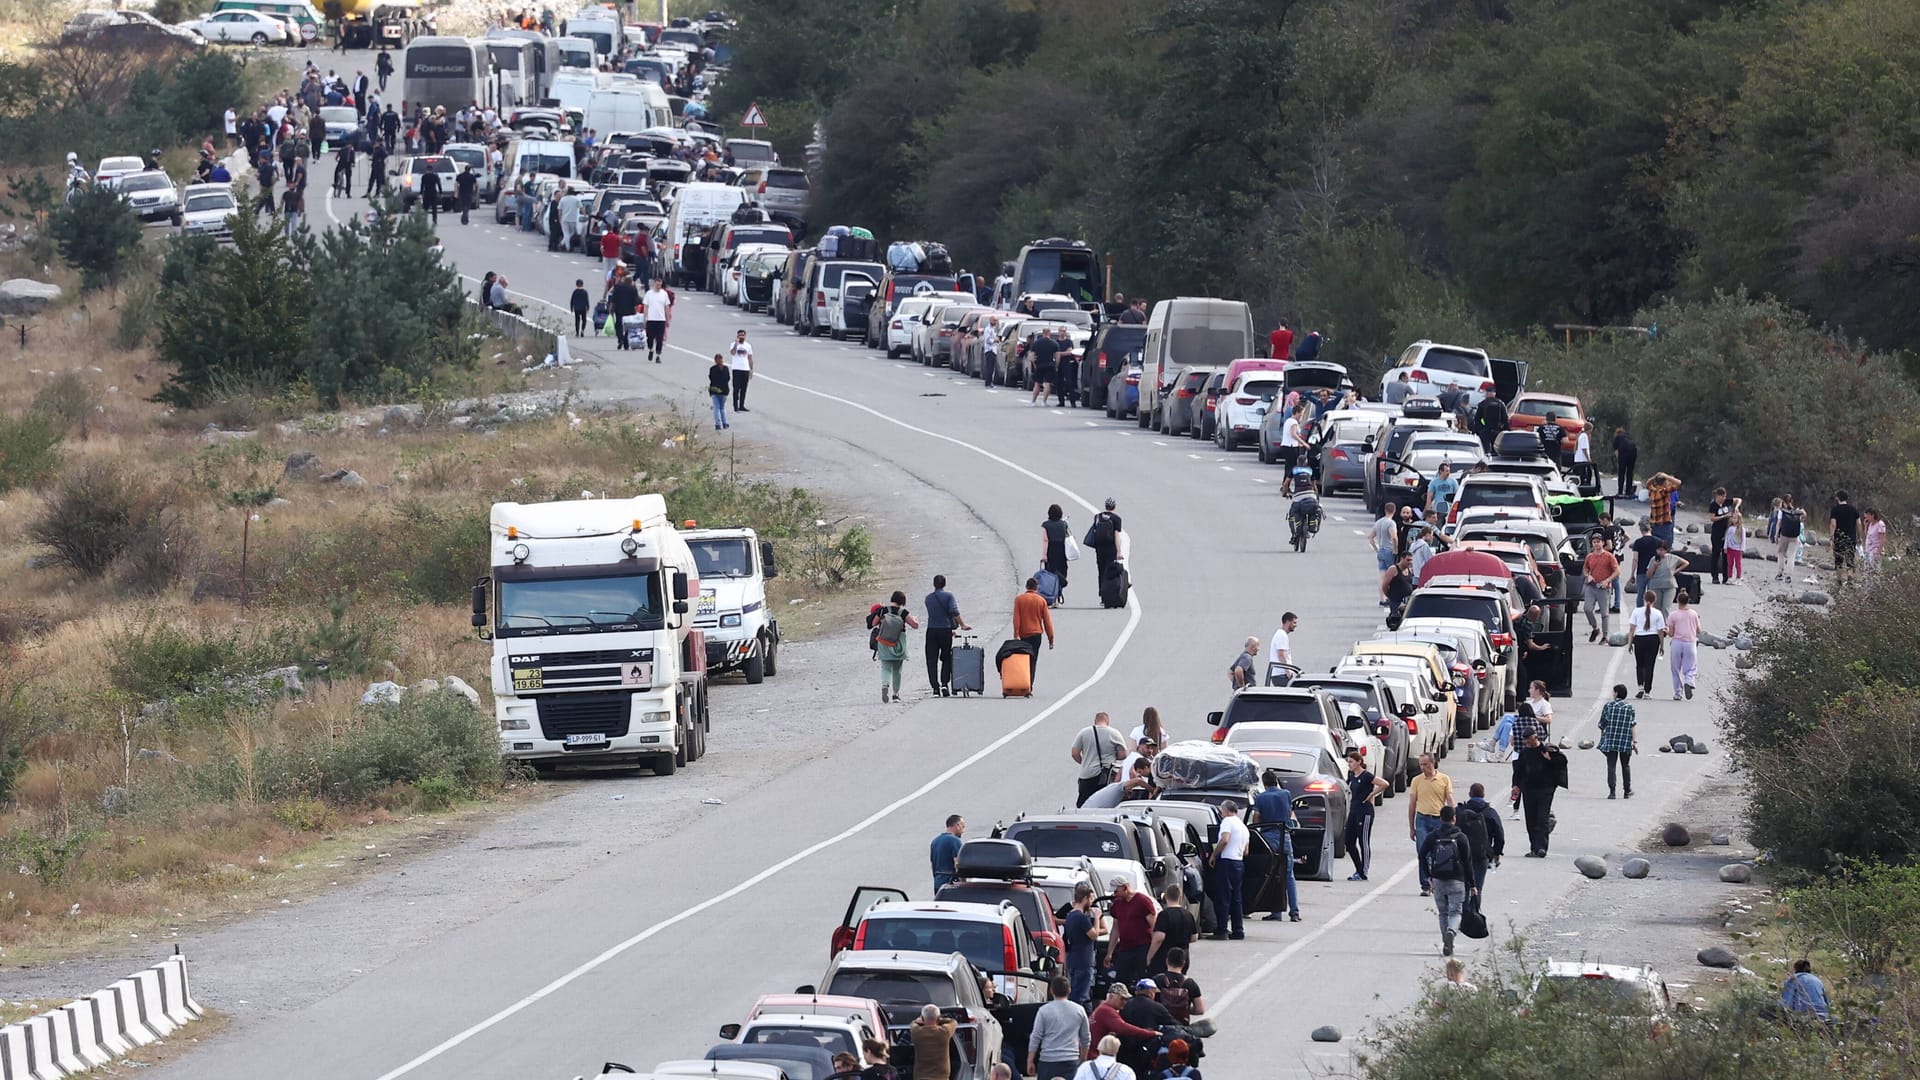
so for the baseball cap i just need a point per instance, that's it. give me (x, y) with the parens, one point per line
(1146, 984)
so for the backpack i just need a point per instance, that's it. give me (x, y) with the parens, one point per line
(1789, 523)
(1446, 861)
(1174, 996)
(1100, 533)
(1473, 822)
(890, 627)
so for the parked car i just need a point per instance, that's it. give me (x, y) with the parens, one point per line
(1107, 353)
(113, 168)
(993, 937)
(1529, 411)
(1435, 683)
(151, 195)
(1344, 437)
(1405, 477)
(1487, 608)
(1123, 389)
(234, 26)
(1431, 368)
(205, 208)
(1182, 407)
(1206, 408)
(1242, 411)
(1507, 490)
(1389, 446)
(904, 325)
(903, 982)
(1394, 720)
(407, 173)
(1310, 770)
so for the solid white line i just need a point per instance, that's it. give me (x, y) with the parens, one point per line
(1226, 1000)
(1157, 442)
(1134, 612)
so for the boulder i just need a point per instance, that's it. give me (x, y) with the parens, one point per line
(24, 296)
(157, 710)
(399, 416)
(1593, 866)
(302, 465)
(427, 686)
(1743, 661)
(454, 684)
(1681, 744)
(1674, 834)
(345, 478)
(1693, 529)
(1716, 957)
(383, 692)
(115, 801)
(1721, 839)
(1635, 868)
(1587, 744)
(1325, 1033)
(1736, 873)
(287, 678)
(1699, 748)
(1617, 639)
(1814, 598)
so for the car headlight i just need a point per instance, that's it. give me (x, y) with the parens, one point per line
(656, 717)
(729, 620)
(514, 723)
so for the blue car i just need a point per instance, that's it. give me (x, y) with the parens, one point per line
(1123, 390)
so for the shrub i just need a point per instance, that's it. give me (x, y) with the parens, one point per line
(1868, 912)
(232, 317)
(29, 449)
(340, 644)
(1850, 789)
(67, 399)
(160, 660)
(97, 233)
(93, 514)
(442, 736)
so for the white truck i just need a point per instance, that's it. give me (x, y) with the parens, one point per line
(731, 610)
(597, 662)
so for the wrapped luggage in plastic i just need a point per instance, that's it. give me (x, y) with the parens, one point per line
(1197, 764)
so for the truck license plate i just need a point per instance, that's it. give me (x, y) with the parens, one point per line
(591, 738)
(529, 678)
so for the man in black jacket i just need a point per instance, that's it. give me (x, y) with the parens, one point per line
(1447, 855)
(430, 194)
(1485, 834)
(1539, 769)
(465, 186)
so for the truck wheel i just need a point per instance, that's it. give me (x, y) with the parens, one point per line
(683, 752)
(756, 668)
(773, 657)
(696, 742)
(665, 764)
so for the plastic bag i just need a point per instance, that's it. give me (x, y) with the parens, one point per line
(1197, 764)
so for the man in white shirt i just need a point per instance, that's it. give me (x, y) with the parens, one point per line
(1293, 446)
(740, 362)
(1582, 448)
(657, 307)
(1281, 650)
(232, 121)
(1230, 871)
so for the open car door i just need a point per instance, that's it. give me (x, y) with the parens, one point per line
(1509, 378)
(1555, 666)
(863, 900)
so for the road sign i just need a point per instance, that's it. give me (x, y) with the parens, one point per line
(754, 117)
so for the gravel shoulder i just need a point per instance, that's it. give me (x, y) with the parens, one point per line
(445, 874)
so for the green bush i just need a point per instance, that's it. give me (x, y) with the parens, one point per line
(342, 643)
(233, 318)
(98, 234)
(1869, 913)
(441, 736)
(29, 449)
(161, 660)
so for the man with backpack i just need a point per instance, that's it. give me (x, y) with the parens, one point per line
(1485, 835)
(1103, 537)
(1179, 994)
(1446, 857)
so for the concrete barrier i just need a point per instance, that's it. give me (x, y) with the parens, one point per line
(142, 1008)
(536, 340)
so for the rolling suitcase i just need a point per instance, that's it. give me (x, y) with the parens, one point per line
(1015, 661)
(1049, 583)
(1114, 585)
(969, 668)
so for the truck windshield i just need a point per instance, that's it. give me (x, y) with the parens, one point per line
(579, 605)
(727, 558)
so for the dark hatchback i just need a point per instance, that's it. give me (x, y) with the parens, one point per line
(1106, 353)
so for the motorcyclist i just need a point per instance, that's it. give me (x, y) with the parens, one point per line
(1303, 513)
(77, 176)
(153, 159)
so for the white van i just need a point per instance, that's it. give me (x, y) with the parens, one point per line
(549, 156)
(696, 205)
(575, 52)
(629, 107)
(1189, 332)
(572, 88)
(598, 25)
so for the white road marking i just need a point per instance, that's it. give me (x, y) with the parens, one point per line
(1195, 457)
(1337, 517)
(1056, 412)
(1089, 423)
(1226, 1000)
(1157, 442)
(1134, 612)
(1257, 480)
(1226, 468)
(1359, 532)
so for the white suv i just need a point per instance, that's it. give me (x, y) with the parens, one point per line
(1431, 368)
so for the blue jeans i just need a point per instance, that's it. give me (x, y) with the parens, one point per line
(1080, 977)
(1663, 532)
(1228, 913)
(1616, 590)
(1449, 897)
(1383, 558)
(719, 410)
(1424, 824)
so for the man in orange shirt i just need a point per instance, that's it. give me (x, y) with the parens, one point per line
(1031, 619)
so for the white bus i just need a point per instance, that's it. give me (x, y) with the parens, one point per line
(535, 77)
(513, 79)
(449, 71)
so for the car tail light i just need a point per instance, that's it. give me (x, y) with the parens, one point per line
(1322, 787)
(1133, 380)
(1413, 726)
(1184, 392)
(1219, 734)
(946, 333)
(820, 296)
(1011, 961)
(1339, 455)
(898, 325)
(1417, 375)
(1501, 640)
(763, 187)
(1103, 359)
(844, 938)
(1245, 400)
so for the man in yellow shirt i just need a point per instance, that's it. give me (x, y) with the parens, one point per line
(1430, 791)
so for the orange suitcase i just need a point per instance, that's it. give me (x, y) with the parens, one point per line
(1016, 676)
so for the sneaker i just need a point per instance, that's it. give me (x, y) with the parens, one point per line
(1293, 916)
(1609, 794)
(1275, 917)
(1446, 944)
(1676, 697)
(1237, 937)
(1628, 795)
(1356, 877)
(1593, 636)
(883, 695)
(1689, 691)
(1426, 891)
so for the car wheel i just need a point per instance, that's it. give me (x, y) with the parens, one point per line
(756, 668)
(1140, 417)
(1110, 415)
(1265, 457)
(773, 657)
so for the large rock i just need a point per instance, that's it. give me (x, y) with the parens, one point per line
(1743, 661)
(1712, 641)
(1617, 639)
(427, 686)
(1325, 1033)
(1674, 834)
(24, 296)
(383, 692)
(302, 465)
(1721, 839)
(401, 416)
(345, 478)
(1736, 873)
(1699, 747)
(1635, 868)
(454, 684)
(287, 679)
(1593, 866)
(1814, 598)
(1716, 957)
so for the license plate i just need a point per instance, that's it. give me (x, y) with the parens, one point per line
(591, 738)
(528, 678)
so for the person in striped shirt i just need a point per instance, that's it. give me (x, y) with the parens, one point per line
(1617, 739)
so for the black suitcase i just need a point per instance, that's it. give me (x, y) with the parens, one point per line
(969, 668)
(1689, 583)
(1114, 584)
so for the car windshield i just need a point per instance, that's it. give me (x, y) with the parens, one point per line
(468, 155)
(1066, 841)
(982, 943)
(339, 114)
(749, 153)
(559, 605)
(1260, 708)
(728, 558)
(145, 183)
(895, 987)
(828, 1039)
(434, 164)
(199, 203)
(1456, 443)
(791, 180)
(736, 237)
(1564, 410)
(1455, 362)
(1351, 431)
(1426, 605)
(1297, 762)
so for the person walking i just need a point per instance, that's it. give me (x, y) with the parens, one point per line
(1661, 489)
(581, 303)
(890, 636)
(1040, 353)
(1625, 454)
(1617, 739)
(1053, 555)
(1644, 548)
(1429, 793)
(1273, 816)
(1736, 544)
(740, 359)
(1663, 576)
(719, 382)
(1445, 857)
(624, 300)
(1173, 931)
(1103, 536)
(1486, 837)
(1230, 874)
(1031, 619)
(1785, 529)
(1080, 931)
(944, 852)
(383, 68)
(1060, 1038)
(1363, 800)
(465, 188)
(1539, 770)
(1098, 750)
(1720, 510)
(943, 618)
(1598, 571)
(431, 194)
(658, 307)
(1131, 931)
(932, 1039)
(1683, 657)
(1649, 627)
(1844, 519)
(1384, 538)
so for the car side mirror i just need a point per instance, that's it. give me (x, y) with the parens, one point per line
(1214, 718)
(1407, 711)
(1186, 851)
(1431, 709)
(768, 568)
(729, 1032)
(1355, 723)
(809, 989)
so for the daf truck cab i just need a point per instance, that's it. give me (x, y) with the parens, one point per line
(597, 661)
(731, 609)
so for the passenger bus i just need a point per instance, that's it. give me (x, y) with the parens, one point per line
(449, 71)
(512, 50)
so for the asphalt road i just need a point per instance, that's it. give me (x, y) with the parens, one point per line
(641, 957)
